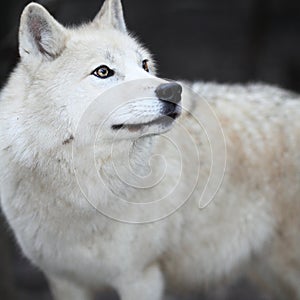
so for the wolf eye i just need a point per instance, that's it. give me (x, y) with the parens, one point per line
(103, 72)
(145, 65)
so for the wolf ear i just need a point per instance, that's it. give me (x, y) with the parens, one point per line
(40, 35)
(111, 16)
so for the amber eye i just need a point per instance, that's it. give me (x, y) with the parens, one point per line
(145, 65)
(103, 72)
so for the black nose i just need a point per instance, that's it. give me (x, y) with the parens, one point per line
(169, 92)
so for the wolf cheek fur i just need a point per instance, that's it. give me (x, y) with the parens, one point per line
(255, 211)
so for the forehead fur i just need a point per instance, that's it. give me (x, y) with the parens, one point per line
(88, 40)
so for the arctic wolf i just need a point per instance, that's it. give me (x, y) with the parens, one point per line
(104, 167)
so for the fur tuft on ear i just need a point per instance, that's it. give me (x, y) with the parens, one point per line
(40, 35)
(111, 16)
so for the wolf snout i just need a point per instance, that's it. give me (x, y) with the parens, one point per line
(170, 92)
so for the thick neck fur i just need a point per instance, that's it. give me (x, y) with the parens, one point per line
(114, 170)
(124, 164)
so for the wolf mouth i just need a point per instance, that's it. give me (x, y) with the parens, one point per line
(165, 120)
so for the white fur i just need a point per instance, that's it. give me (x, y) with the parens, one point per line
(81, 250)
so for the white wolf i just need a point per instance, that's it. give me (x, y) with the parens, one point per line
(63, 216)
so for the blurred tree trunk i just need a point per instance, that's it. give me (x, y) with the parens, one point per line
(7, 290)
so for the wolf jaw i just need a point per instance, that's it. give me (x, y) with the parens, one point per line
(165, 121)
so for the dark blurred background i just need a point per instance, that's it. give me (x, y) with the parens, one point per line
(211, 40)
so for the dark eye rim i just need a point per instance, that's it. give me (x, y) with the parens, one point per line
(145, 65)
(110, 72)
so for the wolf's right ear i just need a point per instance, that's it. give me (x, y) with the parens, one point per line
(40, 35)
(111, 16)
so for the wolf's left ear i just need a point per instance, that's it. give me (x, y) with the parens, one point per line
(111, 16)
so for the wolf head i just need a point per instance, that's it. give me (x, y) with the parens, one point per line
(66, 69)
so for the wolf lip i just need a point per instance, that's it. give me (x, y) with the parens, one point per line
(164, 120)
